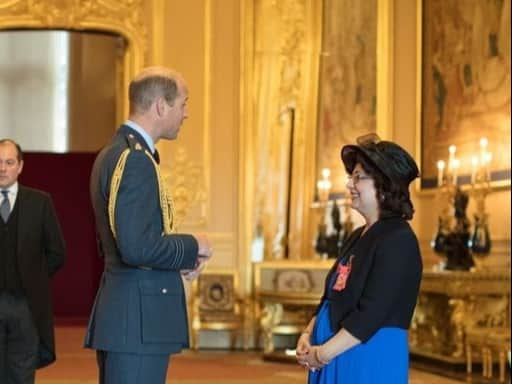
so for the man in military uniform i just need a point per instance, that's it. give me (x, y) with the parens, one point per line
(139, 316)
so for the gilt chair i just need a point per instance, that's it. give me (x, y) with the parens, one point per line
(216, 306)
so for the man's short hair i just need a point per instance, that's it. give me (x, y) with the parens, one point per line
(150, 84)
(19, 152)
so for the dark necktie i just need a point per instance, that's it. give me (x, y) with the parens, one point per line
(5, 207)
(156, 156)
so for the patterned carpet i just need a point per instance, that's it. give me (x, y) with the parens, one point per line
(76, 365)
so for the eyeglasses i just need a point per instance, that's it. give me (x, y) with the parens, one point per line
(356, 178)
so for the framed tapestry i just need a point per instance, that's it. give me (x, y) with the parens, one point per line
(464, 86)
(355, 94)
(348, 84)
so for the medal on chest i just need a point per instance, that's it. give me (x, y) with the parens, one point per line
(343, 271)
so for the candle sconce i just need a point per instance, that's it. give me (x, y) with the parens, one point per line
(480, 242)
(332, 229)
(334, 226)
(461, 247)
(444, 197)
(452, 240)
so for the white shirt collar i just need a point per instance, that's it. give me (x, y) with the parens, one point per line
(149, 141)
(12, 192)
(13, 189)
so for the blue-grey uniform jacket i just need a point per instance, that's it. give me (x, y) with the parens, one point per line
(140, 305)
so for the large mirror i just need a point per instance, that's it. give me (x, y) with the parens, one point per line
(58, 88)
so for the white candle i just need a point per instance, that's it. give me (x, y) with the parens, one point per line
(485, 158)
(450, 174)
(323, 185)
(488, 158)
(483, 150)
(474, 167)
(321, 190)
(344, 180)
(440, 168)
(483, 144)
(456, 165)
(451, 150)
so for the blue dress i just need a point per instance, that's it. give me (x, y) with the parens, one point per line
(384, 359)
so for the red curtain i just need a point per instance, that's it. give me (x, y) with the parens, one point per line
(66, 178)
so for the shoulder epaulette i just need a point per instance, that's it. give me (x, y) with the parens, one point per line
(133, 143)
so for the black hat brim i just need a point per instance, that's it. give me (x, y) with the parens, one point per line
(349, 156)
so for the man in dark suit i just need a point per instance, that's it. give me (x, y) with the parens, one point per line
(139, 317)
(31, 250)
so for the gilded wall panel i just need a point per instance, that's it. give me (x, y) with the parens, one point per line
(284, 49)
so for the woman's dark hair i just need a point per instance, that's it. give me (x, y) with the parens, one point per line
(393, 197)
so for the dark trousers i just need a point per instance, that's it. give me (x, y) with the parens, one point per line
(131, 368)
(18, 341)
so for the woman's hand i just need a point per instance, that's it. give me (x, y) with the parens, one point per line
(303, 344)
(303, 347)
(313, 359)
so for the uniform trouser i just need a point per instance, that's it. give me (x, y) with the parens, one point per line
(131, 368)
(18, 341)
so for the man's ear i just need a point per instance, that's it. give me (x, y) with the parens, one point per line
(160, 106)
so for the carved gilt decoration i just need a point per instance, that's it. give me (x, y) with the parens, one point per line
(287, 294)
(185, 180)
(450, 303)
(271, 316)
(120, 16)
(292, 48)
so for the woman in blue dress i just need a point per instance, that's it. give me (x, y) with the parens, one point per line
(359, 332)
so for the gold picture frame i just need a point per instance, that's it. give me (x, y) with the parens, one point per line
(463, 87)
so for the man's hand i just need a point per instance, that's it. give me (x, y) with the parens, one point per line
(204, 253)
(191, 274)
(205, 248)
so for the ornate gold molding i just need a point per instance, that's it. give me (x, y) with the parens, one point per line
(248, 221)
(285, 49)
(385, 52)
(122, 17)
(287, 293)
(185, 180)
(292, 14)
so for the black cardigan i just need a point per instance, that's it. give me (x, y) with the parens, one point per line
(383, 284)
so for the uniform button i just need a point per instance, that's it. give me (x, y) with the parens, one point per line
(164, 290)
